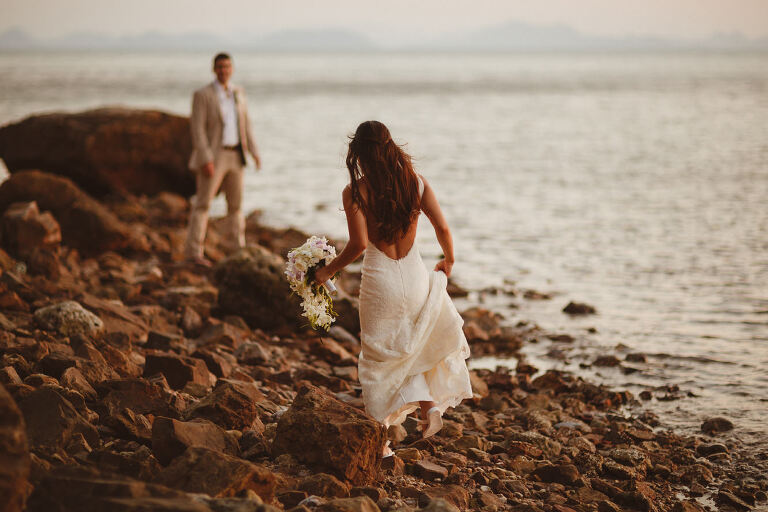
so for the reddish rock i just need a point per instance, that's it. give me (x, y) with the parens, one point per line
(375, 493)
(393, 465)
(356, 504)
(118, 321)
(552, 379)
(716, 425)
(428, 470)
(139, 396)
(578, 308)
(561, 473)
(323, 484)
(123, 362)
(349, 312)
(606, 360)
(46, 262)
(9, 375)
(439, 505)
(14, 454)
(178, 370)
(78, 490)
(37, 380)
(232, 405)
(330, 350)
(52, 421)
(515, 448)
(23, 229)
(252, 285)
(219, 363)
(140, 464)
(171, 437)
(223, 334)
(687, 506)
(479, 387)
(166, 342)
(128, 425)
(107, 150)
(327, 434)
(85, 224)
(72, 378)
(617, 471)
(200, 470)
(454, 494)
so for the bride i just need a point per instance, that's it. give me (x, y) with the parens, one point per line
(413, 348)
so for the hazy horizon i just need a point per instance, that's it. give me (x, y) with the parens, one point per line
(400, 22)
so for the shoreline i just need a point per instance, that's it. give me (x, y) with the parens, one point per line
(180, 388)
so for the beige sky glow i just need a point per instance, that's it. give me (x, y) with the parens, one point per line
(398, 18)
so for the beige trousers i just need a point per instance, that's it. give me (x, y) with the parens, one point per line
(227, 174)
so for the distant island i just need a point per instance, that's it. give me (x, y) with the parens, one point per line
(509, 36)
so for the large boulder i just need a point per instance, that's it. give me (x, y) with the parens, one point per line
(252, 285)
(14, 454)
(85, 224)
(329, 435)
(107, 150)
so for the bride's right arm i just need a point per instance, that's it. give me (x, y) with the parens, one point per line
(431, 209)
(358, 239)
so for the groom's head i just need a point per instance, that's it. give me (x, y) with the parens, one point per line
(222, 67)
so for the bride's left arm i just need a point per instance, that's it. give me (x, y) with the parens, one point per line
(358, 239)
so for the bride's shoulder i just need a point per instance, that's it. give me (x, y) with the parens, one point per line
(346, 197)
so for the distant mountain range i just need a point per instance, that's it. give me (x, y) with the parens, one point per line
(511, 36)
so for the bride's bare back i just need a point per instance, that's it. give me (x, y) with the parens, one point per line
(359, 229)
(401, 246)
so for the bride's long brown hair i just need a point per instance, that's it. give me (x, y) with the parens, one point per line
(392, 199)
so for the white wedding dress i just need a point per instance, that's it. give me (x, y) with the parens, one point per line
(413, 346)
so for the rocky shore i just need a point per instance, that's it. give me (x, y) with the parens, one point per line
(131, 381)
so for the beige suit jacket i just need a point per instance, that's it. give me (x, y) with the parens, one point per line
(207, 125)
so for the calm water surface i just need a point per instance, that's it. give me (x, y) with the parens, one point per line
(636, 182)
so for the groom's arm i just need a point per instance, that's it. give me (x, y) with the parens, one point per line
(197, 126)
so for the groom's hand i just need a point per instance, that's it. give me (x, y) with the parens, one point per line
(208, 169)
(445, 267)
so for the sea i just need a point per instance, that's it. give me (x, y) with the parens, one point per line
(636, 182)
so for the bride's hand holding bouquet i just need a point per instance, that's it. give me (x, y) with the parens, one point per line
(305, 264)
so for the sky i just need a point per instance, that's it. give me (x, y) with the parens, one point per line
(385, 21)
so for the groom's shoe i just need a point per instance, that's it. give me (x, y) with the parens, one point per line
(200, 261)
(434, 423)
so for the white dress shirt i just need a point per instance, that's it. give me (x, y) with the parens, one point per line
(229, 135)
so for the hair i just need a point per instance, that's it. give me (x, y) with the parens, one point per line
(221, 56)
(392, 201)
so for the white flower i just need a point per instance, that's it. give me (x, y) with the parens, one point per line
(316, 304)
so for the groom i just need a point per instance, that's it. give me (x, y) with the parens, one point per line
(221, 137)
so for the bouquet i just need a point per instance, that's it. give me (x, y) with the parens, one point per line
(300, 270)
